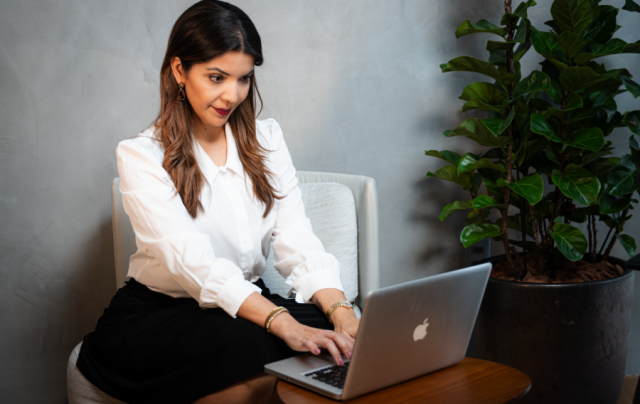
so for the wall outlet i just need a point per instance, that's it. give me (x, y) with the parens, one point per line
(477, 252)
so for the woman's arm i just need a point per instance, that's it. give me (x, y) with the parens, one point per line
(165, 230)
(298, 337)
(344, 320)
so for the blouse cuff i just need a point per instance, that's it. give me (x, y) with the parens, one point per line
(226, 287)
(312, 282)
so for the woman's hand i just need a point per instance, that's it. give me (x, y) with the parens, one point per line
(302, 338)
(346, 323)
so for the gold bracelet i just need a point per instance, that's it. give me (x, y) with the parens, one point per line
(272, 315)
(339, 303)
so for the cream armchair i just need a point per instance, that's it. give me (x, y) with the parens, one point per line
(343, 210)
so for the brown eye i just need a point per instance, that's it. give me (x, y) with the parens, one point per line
(216, 79)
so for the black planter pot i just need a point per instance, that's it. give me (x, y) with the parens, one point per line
(570, 339)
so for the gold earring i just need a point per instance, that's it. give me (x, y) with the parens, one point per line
(181, 94)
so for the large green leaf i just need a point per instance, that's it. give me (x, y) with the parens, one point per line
(541, 126)
(572, 15)
(482, 26)
(588, 138)
(632, 120)
(474, 129)
(554, 91)
(469, 162)
(536, 81)
(632, 47)
(571, 241)
(577, 183)
(623, 179)
(628, 243)
(604, 100)
(630, 5)
(610, 204)
(521, 50)
(481, 106)
(605, 26)
(523, 31)
(575, 78)
(493, 124)
(530, 187)
(571, 43)
(471, 64)
(476, 232)
(546, 44)
(573, 101)
(500, 45)
(452, 208)
(474, 217)
(484, 201)
(634, 146)
(486, 92)
(631, 86)
(509, 18)
(613, 47)
(446, 155)
(450, 173)
(506, 122)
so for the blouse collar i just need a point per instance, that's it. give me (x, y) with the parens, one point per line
(233, 163)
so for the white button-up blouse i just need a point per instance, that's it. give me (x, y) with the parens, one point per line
(216, 257)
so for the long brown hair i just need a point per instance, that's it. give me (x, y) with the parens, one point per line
(204, 31)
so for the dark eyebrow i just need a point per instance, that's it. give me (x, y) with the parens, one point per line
(221, 71)
(227, 74)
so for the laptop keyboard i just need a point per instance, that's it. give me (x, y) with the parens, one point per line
(334, 375)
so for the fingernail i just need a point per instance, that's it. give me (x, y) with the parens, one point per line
(349, 354)
(317, 351)
(340, 362)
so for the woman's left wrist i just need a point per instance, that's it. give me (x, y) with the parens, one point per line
(342, 314)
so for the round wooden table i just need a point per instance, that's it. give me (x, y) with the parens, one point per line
(472, 381)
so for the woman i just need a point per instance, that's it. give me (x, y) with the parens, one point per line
(207, 188)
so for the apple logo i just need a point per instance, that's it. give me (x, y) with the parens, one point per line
(421, 331)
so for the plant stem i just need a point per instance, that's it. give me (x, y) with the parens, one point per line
(615, 237)
(605, 240)
(505, 236)
(558, 193)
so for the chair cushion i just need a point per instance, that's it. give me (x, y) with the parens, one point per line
(81, 390)
(331, 209)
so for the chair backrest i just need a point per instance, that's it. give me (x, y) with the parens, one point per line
(331, 210)
(366, 212)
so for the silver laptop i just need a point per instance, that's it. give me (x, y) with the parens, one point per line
(406, 331)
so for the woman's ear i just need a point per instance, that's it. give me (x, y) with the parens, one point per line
(176, 68)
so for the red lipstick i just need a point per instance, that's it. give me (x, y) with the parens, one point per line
(223, 112)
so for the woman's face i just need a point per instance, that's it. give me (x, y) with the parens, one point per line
(216, 88)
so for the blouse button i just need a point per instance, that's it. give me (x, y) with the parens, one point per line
(245, 240)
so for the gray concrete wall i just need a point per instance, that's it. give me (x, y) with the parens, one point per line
(355, 85)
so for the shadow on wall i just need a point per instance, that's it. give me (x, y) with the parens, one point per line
(63, 306)
(432, 194)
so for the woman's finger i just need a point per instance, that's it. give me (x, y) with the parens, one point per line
(342, 342)
(330, 345)
(312, 347)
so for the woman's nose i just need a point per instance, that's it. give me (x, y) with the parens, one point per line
(230, 94)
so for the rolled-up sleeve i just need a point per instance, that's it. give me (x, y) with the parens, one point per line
(165, 231)
(300, 256)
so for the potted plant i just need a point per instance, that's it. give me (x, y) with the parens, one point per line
(557, 306)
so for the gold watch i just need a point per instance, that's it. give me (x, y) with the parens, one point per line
(339, 303)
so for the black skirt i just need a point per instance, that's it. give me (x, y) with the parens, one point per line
(149, 347)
